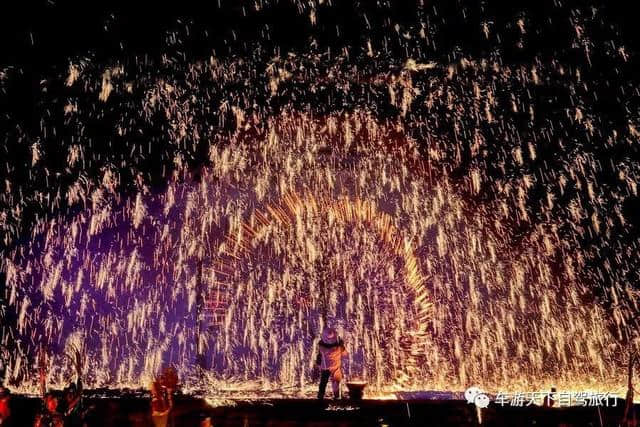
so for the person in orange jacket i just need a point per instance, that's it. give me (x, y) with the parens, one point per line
(331, 350)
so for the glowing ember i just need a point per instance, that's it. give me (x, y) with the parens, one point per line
(455, 228)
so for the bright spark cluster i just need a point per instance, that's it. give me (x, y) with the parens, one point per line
(458, 216)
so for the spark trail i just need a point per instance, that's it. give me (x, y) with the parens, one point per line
(459, 216)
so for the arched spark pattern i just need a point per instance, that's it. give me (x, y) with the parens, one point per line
(237, 248)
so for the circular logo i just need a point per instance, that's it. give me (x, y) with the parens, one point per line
(476, 396)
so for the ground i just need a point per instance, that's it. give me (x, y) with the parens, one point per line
(134, 411)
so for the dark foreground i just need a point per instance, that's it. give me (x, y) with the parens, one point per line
(190, 411)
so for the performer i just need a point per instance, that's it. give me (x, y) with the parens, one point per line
(331, 350)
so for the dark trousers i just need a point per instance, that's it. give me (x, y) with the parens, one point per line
(324, 379)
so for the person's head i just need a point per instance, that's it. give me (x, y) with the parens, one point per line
(51, 402)
(329, 335)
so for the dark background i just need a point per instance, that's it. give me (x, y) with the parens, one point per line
(40, 39)
(41, 33)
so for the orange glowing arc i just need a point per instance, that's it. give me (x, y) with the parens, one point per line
(342, 210)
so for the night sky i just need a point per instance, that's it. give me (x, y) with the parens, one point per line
(573, 134)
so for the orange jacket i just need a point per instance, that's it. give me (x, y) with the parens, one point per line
(330, 355)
